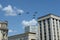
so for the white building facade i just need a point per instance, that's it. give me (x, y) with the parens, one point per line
(3, 31)
(29, 34)
(49, 27)
(24, 36)
(33, 29)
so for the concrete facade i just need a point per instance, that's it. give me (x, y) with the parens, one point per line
(24, 36)
(49, 27)
(3, 31)
(29, 34)
(31, 28)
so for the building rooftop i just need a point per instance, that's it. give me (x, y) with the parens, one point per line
(48, 15)
(3, 21)
(23, 34)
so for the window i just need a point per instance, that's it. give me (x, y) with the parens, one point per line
(48, 21)
(18, 39)
(40, 23)
(49, 28)
(33, 39)
(44, 23)
(0, 25)
(3, 25)
(40, 30)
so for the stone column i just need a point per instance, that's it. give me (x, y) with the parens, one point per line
(59, 29)
(47, 33)
(42, 31)
(51, 29)
(55, 28)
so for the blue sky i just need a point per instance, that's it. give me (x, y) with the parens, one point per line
(15, 26)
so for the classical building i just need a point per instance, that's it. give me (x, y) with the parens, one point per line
(49, 27)
(3, 30)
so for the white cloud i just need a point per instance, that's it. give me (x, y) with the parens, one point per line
(10, 31)
(29, 23)
(12, 11)
(0, 6)
(20, 11)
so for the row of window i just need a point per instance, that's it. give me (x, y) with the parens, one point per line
(24, 39)
(49, 29)
(56, 28)
(44, 23)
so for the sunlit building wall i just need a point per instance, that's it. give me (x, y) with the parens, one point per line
(49, 27)
(3, 31)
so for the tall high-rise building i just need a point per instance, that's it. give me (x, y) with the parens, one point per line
(49, 27)
(3, 31)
